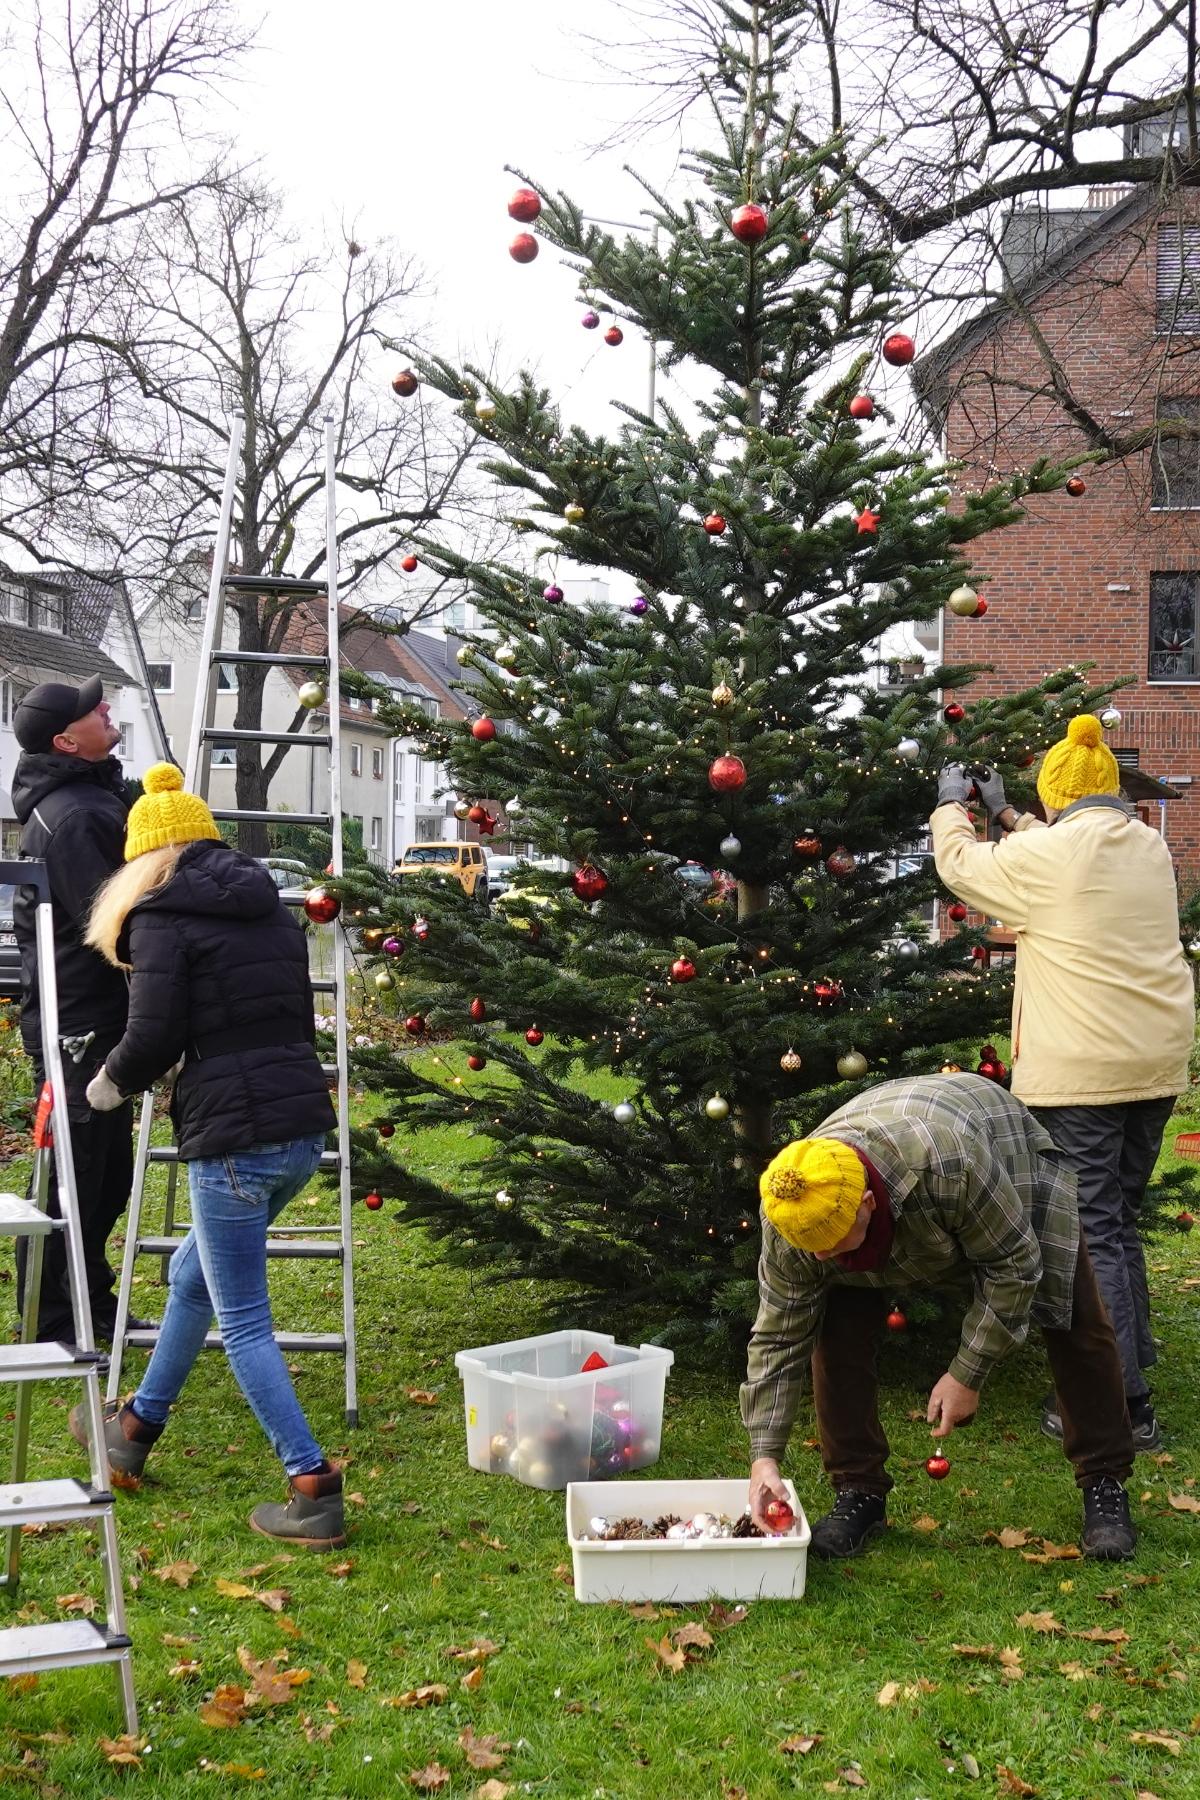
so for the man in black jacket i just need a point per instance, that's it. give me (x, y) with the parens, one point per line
(70, 798)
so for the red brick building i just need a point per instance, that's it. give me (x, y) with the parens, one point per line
(1102, 325)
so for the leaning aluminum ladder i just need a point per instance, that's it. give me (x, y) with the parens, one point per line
(66, 1643)
(323, 1242)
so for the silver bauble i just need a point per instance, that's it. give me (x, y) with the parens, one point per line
(1193, 949)
(908, 749)
(731, 846)
(513, 808)
(506, 655)
(1110, 718)
(464, 654)
(485, 410)
(461, 808)
(907, 950)
(624, 1113)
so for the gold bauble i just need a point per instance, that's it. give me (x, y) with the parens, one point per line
(717, 1107)
(464, 655)
(852, 1064)
(573, 513)
(722, 694)
(791, 1062)
(373, 936)
(384, 982)
(312, 694)
(485, 410)
(951, 1068)
(964, 601)
(461, 808)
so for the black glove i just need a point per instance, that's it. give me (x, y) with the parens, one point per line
(954, 785)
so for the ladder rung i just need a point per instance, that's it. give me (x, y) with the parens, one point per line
(65, 1644)
(166, 1246)
(329, 1069)
(21, 1218)
(168, 1153)
(273, 584)
(233, 813)
(287, 1340)
(319, 740)
(44, 1362)
(324, 987)
(308, 1230)
(275, 659)
(42, 1502)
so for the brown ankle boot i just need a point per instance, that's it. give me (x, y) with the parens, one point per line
(128, 1439)
(312, 1517)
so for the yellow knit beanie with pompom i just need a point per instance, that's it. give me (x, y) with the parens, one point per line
(165, 814)
(1080, 764)
(812, 1190)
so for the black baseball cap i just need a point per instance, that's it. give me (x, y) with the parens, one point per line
(51, 708)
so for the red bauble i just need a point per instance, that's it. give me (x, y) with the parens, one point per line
(372, 1201)
(862, 407)
(827, 992)
(1076, 485)
(727, 775)
(594, 1361)
(321, 907)
(809, 844)
(408, 563)
(953, 713)
(523, 248)
(1185, 1219)
(981, 608)
(897, 1320)
(956, 911)
(749, 224)
(867, 522)
(979, 954)
(683, 969)
(477, 814)
(714, 524)
(483, 730)
(478, 1010)
(937, 1467)
(614, 336)
(589, 882)
(534, 1036)
(841, 861)
(898, 349)
(477, 1062)
(414, 1024)
(778, 1516)
(405, 384)
(525, 206)
(385, 1128)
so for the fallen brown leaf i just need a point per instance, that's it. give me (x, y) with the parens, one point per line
(1157, 1740)
(1184, 1502)
(1010, 1665)
(476, 1651)
(925, 1523)
(799, 1745)
(288, 1626)
(233, 1590)
(1041, 1621)
(275, 1600)
(179, 1572)
(723, 1617)
(340, 1570)
(984, 1652)
(474, 1681)
(644, 1612)
(269, 1683)
(429, 1779)
(243, 1771)
(123, 1751)
(1074, 1671)
(226, 1708)
(422, 1397)
(22, 1684)
(1095, 1712)
(318, 1734)
(174, 1642)
(1011, 1783)
(76, 1603)
(431, 1694)
(853, 1778)
(691, 1636)
(670, 1658)
(185, 1669)
(483, 1752)
(1098, 1635)
(1012, 1537)
(493, 1790)
(356, 1673)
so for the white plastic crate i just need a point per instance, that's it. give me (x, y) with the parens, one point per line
(531, 1411)
(772, 1568)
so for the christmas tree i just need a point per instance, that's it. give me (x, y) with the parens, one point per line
(728, 715)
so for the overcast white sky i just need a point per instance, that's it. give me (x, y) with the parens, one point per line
(402, 116)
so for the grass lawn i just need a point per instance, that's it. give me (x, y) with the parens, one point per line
(865, 1676)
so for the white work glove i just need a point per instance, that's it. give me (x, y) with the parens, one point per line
(103, 1094)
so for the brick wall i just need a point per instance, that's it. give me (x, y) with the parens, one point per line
(1071, 582)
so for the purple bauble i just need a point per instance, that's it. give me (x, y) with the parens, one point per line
(640, 605)
(393, 946)
(590, 320)
(553, 592)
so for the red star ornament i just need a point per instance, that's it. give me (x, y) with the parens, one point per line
(867, 522)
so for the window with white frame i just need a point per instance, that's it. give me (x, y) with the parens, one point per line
(193, 608)
(227, 678)
(1174, 616)
(49, 611)
(356, 751)
(224, 756)
(377, 764)
(1175, 456)
(125, 741)
(399, 774)
(418, 779)
(161, 676)
(376, 834)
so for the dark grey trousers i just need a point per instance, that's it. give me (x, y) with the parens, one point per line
(1112, 1150)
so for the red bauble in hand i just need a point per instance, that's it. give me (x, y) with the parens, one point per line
(778, 1515)
(372, 1202)
(897, 1320)
(727, 775)
(589, 882)
(898, 349)
(524, 247)
(525, 206)
(321, 907)
(937, 1467)
(748, 224)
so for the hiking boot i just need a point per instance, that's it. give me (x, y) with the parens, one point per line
(854, 1517)
(312, 1517)
(128, 1439)
(102, 1329)
(1108, 1533)
(1147, 1433)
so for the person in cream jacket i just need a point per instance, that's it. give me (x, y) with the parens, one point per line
(1104, 1005)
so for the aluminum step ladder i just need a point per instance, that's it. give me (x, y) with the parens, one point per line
(66, 1643)
(322, 1243)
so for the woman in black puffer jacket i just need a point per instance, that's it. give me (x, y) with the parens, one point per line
(219, 985)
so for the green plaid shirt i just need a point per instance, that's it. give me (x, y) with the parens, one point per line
(976, 1186)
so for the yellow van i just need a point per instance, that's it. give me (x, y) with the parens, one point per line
(453, 862)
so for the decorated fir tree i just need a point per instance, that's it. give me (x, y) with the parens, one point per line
(726, 713)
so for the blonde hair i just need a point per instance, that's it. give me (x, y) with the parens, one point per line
(122, 892)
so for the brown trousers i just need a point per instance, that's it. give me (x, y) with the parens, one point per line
(1084, 1361)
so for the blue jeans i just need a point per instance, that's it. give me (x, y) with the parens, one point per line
(222, 1264)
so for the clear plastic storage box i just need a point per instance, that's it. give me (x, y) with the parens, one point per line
(534, 1412)
(772, 1568)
